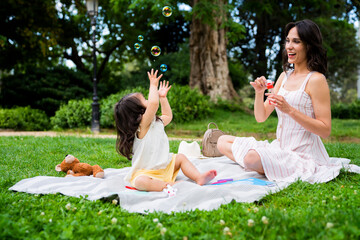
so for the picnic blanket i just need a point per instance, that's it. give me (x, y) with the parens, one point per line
(235, 184)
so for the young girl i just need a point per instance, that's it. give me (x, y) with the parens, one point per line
(142, 138)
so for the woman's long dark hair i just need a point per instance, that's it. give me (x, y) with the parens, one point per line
(128, 114)
(310, 34)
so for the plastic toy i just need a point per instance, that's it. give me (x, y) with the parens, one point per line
(170, 190)
(269, 87)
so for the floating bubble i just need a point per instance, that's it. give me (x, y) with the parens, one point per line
(163, 67)
(140, 38)
(167, 11)
(155, 51)
(137, 45)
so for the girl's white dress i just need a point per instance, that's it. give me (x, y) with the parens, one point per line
(295, 153)
(151, 152)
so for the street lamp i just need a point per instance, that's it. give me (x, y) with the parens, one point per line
(92, 9)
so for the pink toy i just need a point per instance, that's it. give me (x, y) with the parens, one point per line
(223, 180)
(170, 190)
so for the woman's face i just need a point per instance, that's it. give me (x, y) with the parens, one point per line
(295, 47)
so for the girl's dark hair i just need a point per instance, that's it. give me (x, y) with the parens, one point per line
(128, 114)
(310, 34)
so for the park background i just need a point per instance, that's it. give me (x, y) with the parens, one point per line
(212, 49)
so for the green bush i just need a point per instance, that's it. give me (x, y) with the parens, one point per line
(232, 106)
(346, 111)
(44, 89)
(74, 114)
(24, 118)
(188, 104)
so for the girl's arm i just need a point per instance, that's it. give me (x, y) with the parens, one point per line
(319, 92)
(262, 110)
(166, 113)
(152, 103)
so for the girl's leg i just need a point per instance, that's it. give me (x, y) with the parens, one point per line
(224, 144)
(191, 172)
(252, 161)
(146, 183)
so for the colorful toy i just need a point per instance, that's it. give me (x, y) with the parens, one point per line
(74, 168)
(170, 190)
(223, 181)
(246, 181)
(269, 86)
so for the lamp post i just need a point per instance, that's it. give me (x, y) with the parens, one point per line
(92, 9)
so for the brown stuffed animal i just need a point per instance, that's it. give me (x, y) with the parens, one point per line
(74, 168)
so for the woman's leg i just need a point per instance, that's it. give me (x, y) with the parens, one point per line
(252, 161)
(191, 172)
(224, 144)
(146, 183)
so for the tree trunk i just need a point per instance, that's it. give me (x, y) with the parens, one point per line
(209, 66)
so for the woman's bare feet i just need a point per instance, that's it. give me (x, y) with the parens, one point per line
(206, 177)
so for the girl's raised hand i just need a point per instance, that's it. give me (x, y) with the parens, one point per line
(164, 88)
(153, 78)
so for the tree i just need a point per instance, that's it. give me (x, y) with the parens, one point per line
(208, 49)
(343, 53)
(44, 89)
(261, 49)
(27, 34)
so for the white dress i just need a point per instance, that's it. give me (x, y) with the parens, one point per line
(295, 153)
(152, 151)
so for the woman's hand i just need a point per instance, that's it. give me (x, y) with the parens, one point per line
(154, 80)
(164, 88)
(259, 84)
(279, 102)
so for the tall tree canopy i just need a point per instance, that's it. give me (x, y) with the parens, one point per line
(261, 49)
(46, 33)
(28, 33)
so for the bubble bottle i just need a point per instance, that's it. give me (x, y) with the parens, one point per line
(269, 87)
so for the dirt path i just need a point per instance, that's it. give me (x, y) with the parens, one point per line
(58, 134)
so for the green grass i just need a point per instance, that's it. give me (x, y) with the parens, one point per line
(240, 124)
(302, 211)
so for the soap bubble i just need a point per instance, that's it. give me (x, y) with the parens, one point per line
(155, 51)
(167, 11)
(163, 67)
(137, 45)
(140, 38)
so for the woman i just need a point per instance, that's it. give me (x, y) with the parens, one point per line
(301, 99)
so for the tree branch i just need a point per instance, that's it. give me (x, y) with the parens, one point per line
(106, 59)
(77, 60)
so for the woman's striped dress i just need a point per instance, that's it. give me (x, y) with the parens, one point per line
(295, 153)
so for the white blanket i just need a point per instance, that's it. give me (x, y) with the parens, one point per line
(189, 196)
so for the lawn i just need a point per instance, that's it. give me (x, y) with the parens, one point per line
(240, 124)
(302, 211)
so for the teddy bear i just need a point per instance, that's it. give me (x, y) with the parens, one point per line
(74, 168)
